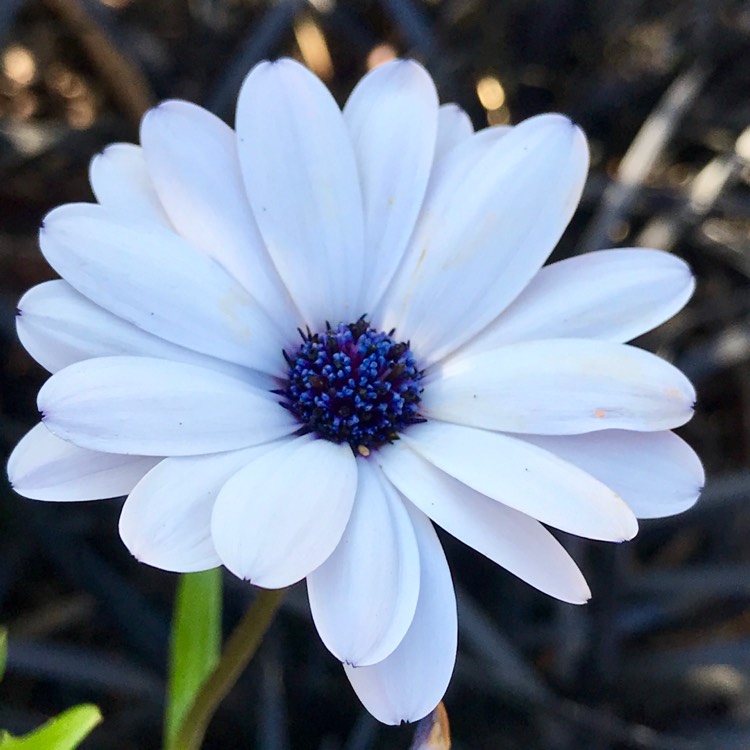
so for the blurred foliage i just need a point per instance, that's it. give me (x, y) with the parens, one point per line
(3, 651)
(661, 656)
(65, 732)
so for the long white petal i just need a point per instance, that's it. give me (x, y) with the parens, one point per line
(166, 520)
(121, 183)
(301, 177)
(413, 679)
(458, 162)
(486, 227)
(155, 407)
(43, 467)
(392, 119)
(58, 327)
(526, 478)
(560, 387)
(149, 276)
(508, 537)
(192, 158)
(363, 597)
(613, 295)
(657, 473)
(281, 516)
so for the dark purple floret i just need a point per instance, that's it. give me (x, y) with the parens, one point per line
(353, 384)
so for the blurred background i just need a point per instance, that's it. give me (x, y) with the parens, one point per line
(660, 659)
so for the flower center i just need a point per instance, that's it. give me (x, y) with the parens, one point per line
(353, 384)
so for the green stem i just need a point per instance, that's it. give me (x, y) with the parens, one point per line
(240, 649)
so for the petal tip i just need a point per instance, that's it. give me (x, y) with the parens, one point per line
(279, 65)
(155, 113)
(103, 153)
(57, 217)
(573, 124)
(630, 529)
(18, 478)
(131, 545)
(408, 67)
(581, 593)
(696, 496)
(161, 113)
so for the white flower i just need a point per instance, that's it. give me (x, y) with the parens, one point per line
(180, 378)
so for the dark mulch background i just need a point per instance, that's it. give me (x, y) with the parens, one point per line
(661, 657)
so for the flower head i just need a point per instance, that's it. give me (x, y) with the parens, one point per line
(297, 344)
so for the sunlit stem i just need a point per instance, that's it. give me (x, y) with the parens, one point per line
(195, 645)
(240, 649)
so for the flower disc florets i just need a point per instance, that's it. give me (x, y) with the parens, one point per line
(353, 384)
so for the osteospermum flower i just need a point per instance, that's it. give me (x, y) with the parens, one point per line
(298, 344)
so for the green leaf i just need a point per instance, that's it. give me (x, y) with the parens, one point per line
(65, 732)
(195, 646)
(3, 650)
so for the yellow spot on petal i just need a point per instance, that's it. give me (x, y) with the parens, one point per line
(600, 413)
(231, 305)
(363, 450)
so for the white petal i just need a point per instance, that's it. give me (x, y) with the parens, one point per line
(166, 520)
(43, 467)
(526, 478)
(508, 537)
(657, 473)
(121, 183)
(413, 679)
(560, 387)
(58, 327)
(458, 162)
(281, 516)
(192, 159)
(149, 276)
(454, 126)
(614, 295)
(486, 228)
(301, 178)
(392, 120)
(155, 407)
(364, 595)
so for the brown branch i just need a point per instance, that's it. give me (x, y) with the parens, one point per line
(126, 84)
(646, 149)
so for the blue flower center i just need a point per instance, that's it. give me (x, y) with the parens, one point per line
(353, 384)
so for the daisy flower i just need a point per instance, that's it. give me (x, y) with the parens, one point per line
(298, 344)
